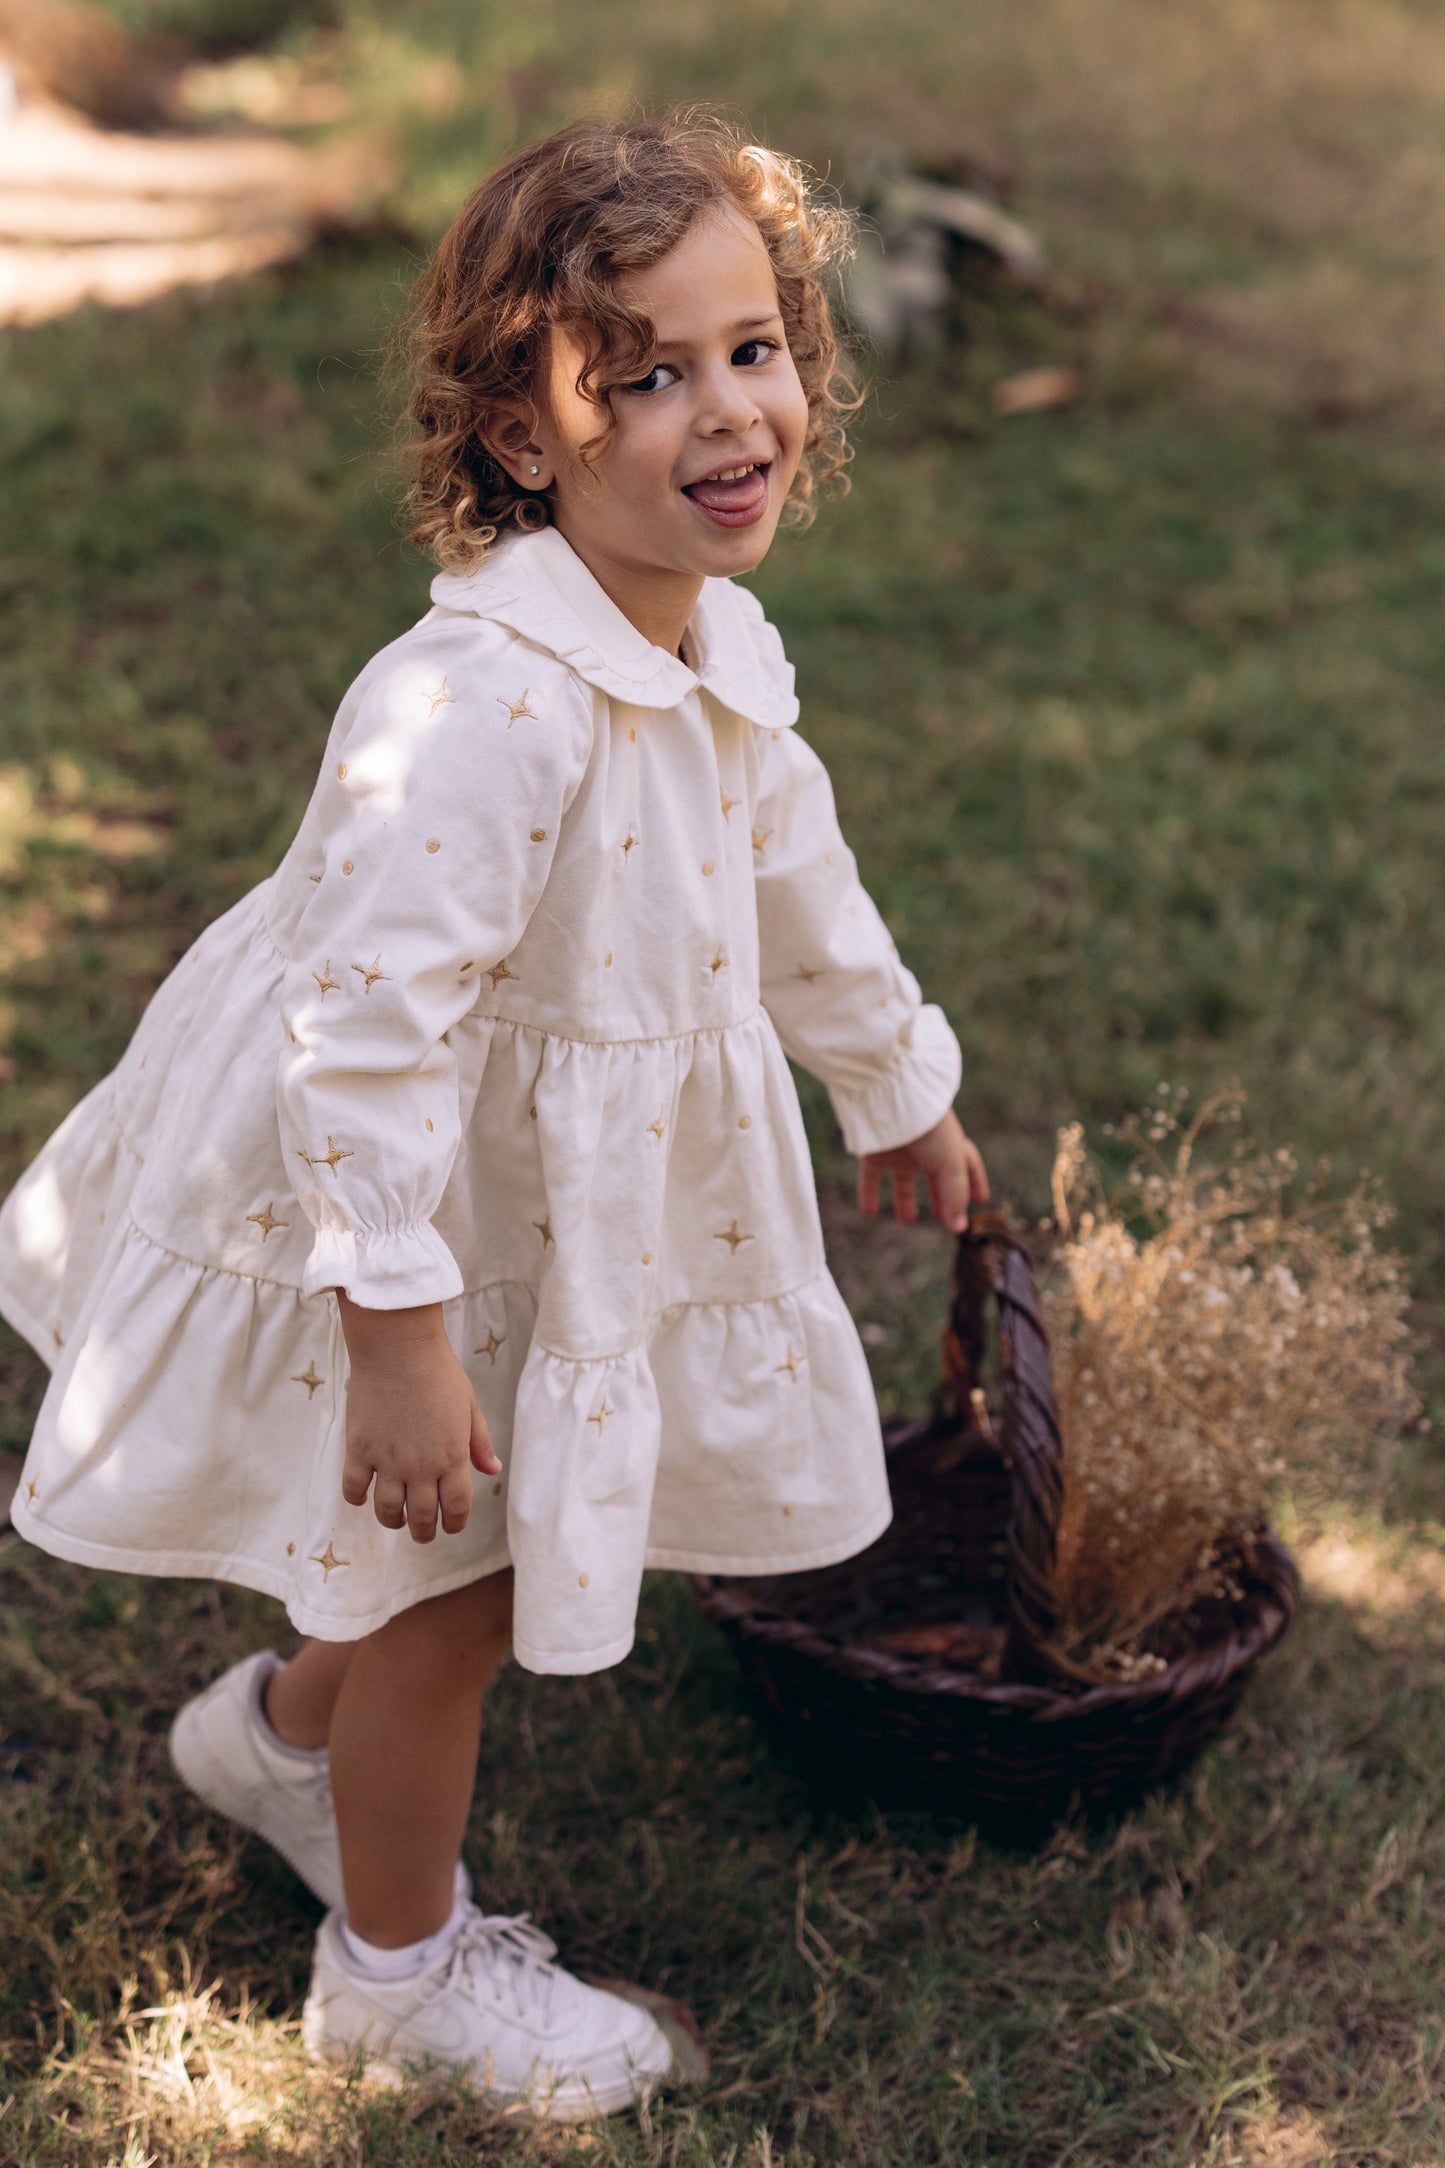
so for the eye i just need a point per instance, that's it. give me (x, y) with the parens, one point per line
(754, 351)
(657, 378)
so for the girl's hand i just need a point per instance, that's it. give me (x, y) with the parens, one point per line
(949, 1162)
(412, 1422)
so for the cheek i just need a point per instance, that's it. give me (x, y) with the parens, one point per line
(792, 419)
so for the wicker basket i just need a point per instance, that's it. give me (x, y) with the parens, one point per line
(921, 1672)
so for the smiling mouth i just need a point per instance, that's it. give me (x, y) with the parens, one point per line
(734, 496)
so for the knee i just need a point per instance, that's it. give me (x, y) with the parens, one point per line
(465, 1633)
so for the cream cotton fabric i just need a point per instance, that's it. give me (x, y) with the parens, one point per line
(505, 1031)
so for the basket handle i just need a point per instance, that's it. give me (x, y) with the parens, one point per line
(991, 1261)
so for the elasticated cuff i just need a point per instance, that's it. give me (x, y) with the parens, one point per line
(399, 1270)
(908, 1098)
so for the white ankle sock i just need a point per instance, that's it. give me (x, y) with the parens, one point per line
(381, 1964)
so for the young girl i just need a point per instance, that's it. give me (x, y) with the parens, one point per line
(444, 1250)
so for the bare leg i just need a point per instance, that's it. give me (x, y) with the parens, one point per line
(404, 1740)
(301, 1696)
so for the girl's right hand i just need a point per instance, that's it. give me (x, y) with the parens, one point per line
(412, 1422)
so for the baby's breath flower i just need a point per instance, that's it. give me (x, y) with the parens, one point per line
(1219, 1331)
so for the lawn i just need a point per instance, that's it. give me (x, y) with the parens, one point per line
(1133, 711)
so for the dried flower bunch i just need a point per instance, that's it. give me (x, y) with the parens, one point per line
(1219, 1330)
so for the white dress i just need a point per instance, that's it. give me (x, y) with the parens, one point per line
(506, 1031)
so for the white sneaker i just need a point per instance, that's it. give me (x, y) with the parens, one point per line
(493, 2007)
(225, 1750)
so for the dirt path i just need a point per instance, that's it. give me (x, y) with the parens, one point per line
(93, 214)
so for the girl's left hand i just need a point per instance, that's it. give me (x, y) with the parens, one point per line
(949, 1162)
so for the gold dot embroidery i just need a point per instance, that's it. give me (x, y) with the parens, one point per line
(531, 1114)
(607, 961)
(647, 1257)
(313, 877)
(707, 865)
(433, 845)
(632, 734)
(539, 835)
(788, 1512)
(347, 866)
(745, 1121)
(581, 1580)
(290, 1550)
(341, 771)
(430, 1131)
(467, 966)
(496, 1490)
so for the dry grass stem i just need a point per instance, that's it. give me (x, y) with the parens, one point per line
(1218, 1330)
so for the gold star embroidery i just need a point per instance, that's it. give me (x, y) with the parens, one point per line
(628, 845)
(57, 1336)
(516, 709)
(325, 981)
(328, 1158)
(309, 1379)
(493, 1341)
(732, 1238)
(791, 1365)
(806, 975)
(727, 805)
(266, 1221)
(443, 698)
(718, 962)
(656, 1129)
(760, 837)
(372, 972)
(544, 1229)
(497, 973)
(327, 1560)
(603, 1416)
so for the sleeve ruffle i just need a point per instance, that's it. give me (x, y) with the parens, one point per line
(893, 1109)
(399, 1269)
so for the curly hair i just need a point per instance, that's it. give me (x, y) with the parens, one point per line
(544, 242)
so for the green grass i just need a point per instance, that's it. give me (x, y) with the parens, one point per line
(1134, 718)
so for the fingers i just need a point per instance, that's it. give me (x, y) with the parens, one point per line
(355, 1481)
(977, 1172)
(483, 1457)
(421, 1512)
(454, 1495)
(904, 1176)
(870, 1181)
(952, 1195)
(389, 1501)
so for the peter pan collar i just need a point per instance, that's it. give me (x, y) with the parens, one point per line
(537, 585)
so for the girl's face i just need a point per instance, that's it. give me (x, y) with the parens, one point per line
(692, 480)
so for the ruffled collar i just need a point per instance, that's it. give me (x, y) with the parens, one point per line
(537, 585)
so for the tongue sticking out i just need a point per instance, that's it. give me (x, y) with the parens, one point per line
(735, 496)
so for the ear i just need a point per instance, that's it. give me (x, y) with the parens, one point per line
(511, 436)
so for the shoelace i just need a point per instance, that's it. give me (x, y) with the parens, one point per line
(508, 1951)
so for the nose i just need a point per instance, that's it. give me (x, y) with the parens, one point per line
(728, 405)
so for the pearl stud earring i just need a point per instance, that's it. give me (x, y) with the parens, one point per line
(536, 470)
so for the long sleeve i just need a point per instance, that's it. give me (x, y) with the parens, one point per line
(843, 1004)
(431, 834)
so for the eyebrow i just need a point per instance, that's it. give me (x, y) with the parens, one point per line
(742, 324)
